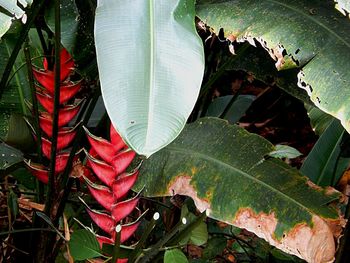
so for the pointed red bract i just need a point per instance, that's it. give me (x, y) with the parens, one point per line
(102, 147)
(102, 194)
(127, 231)
(123, 184)
(104, 221)
(67, 92)
(122, 160)
(116, 139)
(38, 171)
(122, 209)
(104, 240)
(104, 171)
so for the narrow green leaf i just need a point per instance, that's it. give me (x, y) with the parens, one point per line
(284, 151)
(309, 35)
(12, 203)
(174, 256)
(222, 167)
(320, 164)
(319, 120)
(84, 245)
(237, 109)
(151, 64)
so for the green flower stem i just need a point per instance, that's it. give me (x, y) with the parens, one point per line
(116, 248)
(5, 233)
(39, 185)
(188, 229)
(144, 237)
(21, 38)
(154, 250)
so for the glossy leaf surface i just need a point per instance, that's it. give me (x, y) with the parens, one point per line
(151, 64)
(224, 169)
(309, 35)
(83, 245)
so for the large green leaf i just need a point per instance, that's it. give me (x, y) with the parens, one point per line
(227, 172)
(84, 245)
(311, 35)
(151, 65)
(320, 165)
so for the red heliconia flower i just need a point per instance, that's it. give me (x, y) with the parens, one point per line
(108, 161)
(45, 94)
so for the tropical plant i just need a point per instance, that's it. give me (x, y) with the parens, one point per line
(152, 57)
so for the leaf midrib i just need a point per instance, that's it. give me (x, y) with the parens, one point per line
(209, 158)
(151, 73)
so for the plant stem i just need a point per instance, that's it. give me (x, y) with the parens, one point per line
(150, 254)
(144, 237)
(39, 185)
(188, 229)
(116, 247)
(21, 38)
(51, 185)
(25, 230)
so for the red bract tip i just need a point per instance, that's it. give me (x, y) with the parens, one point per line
(47, 78)
(64, 138)
(66, 114)
(122, 160)
(62, 159)
(123, 184)
(103, 147)
(116, 140)
(104, 240)
(127, 231)
(104, 221)
(38, 171)
(103, 171)
(124, 208)
(67, 92)
(102, 194)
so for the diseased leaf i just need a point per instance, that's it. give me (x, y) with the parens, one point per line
(222, 167)
(309, 35)
(150, 100)
(284, 151)
(83, 245)
(256, 61)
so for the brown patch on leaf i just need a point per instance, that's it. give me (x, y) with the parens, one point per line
(314, 244)
(182, 186)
